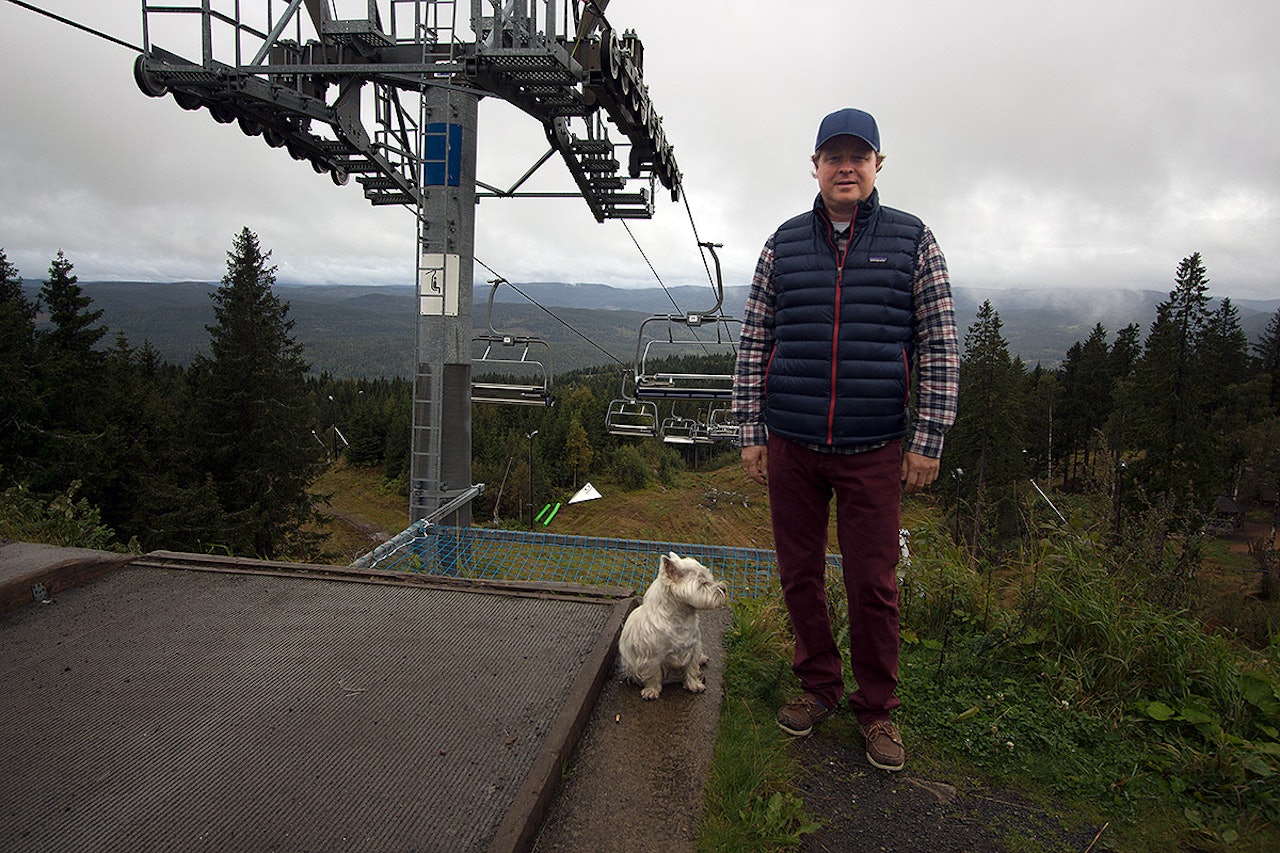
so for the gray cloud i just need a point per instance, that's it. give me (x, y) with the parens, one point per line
(1047, 144)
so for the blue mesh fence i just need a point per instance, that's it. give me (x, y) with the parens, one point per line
(483, 553)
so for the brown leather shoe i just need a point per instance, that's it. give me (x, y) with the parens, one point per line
(801, 714)
(884, 745)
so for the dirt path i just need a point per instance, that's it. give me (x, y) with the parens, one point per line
(864, 809)
(362, 526)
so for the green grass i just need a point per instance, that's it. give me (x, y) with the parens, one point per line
(750, 803)
(1078, 695)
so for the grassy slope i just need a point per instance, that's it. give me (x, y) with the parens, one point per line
(719, 507)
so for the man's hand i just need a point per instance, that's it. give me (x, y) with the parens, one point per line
(917, 471)
(755, 459)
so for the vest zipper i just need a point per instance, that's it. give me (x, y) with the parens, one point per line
(835, 327)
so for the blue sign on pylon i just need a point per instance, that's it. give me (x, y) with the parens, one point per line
(442, 155)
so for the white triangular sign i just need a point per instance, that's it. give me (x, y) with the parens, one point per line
(586, 493)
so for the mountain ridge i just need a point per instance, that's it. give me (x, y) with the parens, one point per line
(367, 331)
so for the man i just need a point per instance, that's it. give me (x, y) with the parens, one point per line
(845, 298)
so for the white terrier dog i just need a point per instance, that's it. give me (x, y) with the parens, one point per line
(661, 639)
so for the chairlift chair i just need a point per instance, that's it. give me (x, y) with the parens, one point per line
(721, 425)
(654, 382)
(512, 369)
(628, 416)
(679, 430)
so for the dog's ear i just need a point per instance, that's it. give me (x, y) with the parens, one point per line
(670, 566)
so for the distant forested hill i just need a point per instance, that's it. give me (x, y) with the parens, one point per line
(365, 331)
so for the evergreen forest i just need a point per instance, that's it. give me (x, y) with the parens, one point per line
(220, 455)
(1100, 484)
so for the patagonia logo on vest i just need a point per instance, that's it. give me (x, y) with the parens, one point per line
(877, 259)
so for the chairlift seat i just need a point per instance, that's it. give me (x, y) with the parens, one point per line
(637, 418)
(651, 381)
(721, 425)
(678, 430)
(522, 380)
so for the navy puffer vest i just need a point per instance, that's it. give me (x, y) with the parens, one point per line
(839, 373)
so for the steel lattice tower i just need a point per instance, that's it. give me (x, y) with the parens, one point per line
(390, 96)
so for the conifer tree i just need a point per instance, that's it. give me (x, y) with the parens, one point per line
(1224, 350)
(143, 450)
(988, 442)
(1267, 351)
(1125, 352)
(252, 412)
(73, 334)
(1086, 404)
(20, 409)
(368, 436)
(1175, 449)
(68, 377)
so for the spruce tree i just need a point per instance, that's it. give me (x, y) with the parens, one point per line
(68, 377)
(988, 442)
(1176, 455)
(20, 404)
(1267, 351)
(143, 450)
(252, 412)
(1224, 350)
(1086, 404)
(73, 333)
(1125, 352)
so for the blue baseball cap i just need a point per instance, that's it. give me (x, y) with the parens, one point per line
(849, 122)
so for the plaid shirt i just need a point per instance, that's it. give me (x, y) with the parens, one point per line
(936, 350)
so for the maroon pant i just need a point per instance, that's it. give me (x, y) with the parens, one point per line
(867, 489)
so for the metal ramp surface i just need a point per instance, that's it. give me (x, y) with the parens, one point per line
(260, 706)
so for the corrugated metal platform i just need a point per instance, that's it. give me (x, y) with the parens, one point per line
(252, 706)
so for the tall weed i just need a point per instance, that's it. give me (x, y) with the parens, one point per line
(65, 521)
(1085, 681)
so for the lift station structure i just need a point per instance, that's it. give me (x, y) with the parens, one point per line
(387, 93)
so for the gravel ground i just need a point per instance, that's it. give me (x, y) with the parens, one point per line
(865, 810)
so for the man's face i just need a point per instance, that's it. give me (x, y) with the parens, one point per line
(846, 167)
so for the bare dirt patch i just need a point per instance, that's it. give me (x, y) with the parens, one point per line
(865, 809)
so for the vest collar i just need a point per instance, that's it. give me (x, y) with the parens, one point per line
(864, 213)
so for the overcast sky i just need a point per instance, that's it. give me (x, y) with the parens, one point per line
(1047, 144)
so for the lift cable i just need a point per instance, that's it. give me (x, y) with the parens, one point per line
(592, 6)
(78, 26)
(684, 194)
(551, 314)
(722, 321)
(640, 249)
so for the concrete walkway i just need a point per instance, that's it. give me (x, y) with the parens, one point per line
(637, 780)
